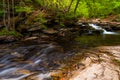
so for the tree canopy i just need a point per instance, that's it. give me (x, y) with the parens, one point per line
(60, 9)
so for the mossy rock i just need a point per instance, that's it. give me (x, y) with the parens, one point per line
(117, 62)
(55, 78)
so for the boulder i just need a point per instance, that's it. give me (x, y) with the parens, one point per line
(34, 29)
(50, 31)
(7, 39)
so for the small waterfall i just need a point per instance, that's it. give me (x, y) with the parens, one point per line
(96, 27)
(108, 32)
(100, 28)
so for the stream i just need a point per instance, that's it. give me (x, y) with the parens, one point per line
(38, 59)
(23, 59)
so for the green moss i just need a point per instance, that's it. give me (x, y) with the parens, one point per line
(116, 61)
(27, 9)
(6, 32)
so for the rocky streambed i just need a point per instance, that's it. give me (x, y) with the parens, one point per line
(85, 52)
(37, 59)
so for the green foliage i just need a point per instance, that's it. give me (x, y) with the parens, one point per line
(92, 8)
(63, 10)
(1, 13)
(39, 2)
(1, 10)
(28, 1)
(82, 10)
(27, 9)
(102, 8)
(6, 32)
(85, 8)
(41, 17)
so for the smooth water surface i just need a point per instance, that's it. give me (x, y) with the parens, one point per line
(98, 40)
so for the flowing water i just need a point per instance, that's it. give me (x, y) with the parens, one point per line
(35, 59)
(100, 28)
(20, 60)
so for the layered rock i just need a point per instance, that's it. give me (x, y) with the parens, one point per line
(102, 63)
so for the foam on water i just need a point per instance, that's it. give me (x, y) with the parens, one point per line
(19, 78)
(42, 76)
(96, 27)
(100, 28)
(36, 62)
(108, 32)
(8, 71)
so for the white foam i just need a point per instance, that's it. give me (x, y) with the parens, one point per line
(19, 78)
(108, 32)
(36, 62)
(100, 28)
(8, 71)
(42, 76)
(95, 26)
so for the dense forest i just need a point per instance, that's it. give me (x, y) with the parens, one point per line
(13, 13)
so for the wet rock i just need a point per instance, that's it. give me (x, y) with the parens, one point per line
(90, 32)
(7, 39)
(1, 26)
(45, 37)
(30, 30)
(116, 28)
(33, 29)
(47, 79)
(50, 31)
(97, 32)
(30, 38)
(23, 71)
(16, 54)
(2, 38)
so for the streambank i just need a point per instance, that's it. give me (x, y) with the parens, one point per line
(109, 22)
(39, 59)
(70, 53)
(101, 63)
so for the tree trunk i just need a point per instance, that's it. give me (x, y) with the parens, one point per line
(4, 15)
(76, 6)
(13, 14)
(8, 14)
(70, 5)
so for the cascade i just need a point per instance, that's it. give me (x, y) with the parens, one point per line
(100, 28)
